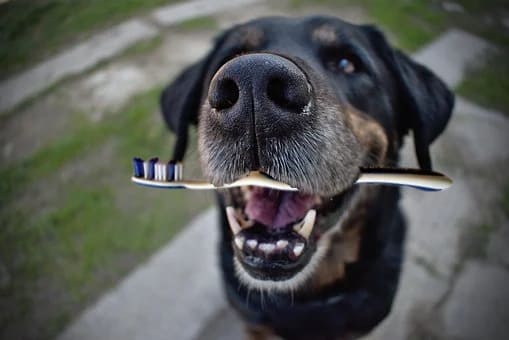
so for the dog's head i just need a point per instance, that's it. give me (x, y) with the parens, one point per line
(309, 102)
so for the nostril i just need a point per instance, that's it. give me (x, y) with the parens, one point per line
(223, 94)
(292, 94)
(276, 91)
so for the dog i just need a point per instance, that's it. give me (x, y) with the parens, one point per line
(307, 101)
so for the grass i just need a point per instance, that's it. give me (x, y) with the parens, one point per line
(412, 23)
(32, 30)
(429, 267)
(199, 23)
(415, 23)
(67, 238)
(487, 84)
(144, 46)
(474, 241)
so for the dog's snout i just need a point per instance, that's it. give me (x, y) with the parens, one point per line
(262, 84)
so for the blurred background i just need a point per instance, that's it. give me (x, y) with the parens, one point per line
(79, 87)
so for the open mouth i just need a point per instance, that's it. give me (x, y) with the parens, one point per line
(276, 232)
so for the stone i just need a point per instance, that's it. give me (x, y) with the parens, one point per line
(477, 307)
(418, 290)
(452, 53)
(498, 245)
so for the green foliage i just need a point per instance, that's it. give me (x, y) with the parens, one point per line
(200, 23)
(76, 223)
(31, 30)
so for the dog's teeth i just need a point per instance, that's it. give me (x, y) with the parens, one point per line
(281, 244)
(239, 242)
(297, 226)
(252, 244)
(246, 193)
(232, 221)
(244, 224)
(267, 248)
(308, 224)
(298, 248)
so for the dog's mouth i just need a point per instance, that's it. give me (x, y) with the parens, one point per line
(276, 233)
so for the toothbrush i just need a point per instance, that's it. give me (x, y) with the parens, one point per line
(169, 175)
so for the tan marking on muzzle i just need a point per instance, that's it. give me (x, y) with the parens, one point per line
(370, 134)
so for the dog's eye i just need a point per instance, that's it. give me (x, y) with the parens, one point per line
(346, 66)
(343, 60)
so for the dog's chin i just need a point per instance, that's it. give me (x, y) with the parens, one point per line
(280, 237)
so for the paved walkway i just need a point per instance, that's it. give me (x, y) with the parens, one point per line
(103, 46)
(444, 293)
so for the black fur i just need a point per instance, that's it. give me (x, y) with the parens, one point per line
(352, 307)
(181, 99)
(402, 96)
(425, 101)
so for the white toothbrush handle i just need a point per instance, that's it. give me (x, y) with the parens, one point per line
(423, 180)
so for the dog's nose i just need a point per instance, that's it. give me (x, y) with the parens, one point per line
(269, 87)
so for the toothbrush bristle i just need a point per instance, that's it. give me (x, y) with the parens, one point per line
(155, 170)
(178, 171)
(151, 168)
(138, 167)
(170, 171)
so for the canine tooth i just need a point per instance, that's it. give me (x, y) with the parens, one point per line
(298, 248)
(281, 244)
(232, 221)
(267, 247)
(246, 193)
(308, 224)
(297, 226)
(252, 244)
(239, 242)
(244, 224)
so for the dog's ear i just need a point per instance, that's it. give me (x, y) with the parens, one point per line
(180, 100)
(425, 101)
(428, 103)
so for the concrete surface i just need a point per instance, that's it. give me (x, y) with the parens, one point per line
(478, 307)
(451, 54)
(172, 14)
(167, 298)
(73, 61)
(102, 46)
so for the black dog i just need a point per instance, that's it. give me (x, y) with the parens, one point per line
(309, 102)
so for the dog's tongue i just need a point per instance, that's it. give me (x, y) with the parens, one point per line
(275, 208)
